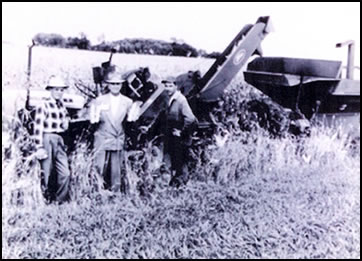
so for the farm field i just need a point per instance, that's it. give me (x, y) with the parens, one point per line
(76, 67)
(253, 196)
(77, 64)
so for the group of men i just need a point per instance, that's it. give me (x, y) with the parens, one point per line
(108, 112)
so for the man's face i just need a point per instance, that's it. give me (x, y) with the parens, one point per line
(57, 92)
(115, 88)
(170, 87)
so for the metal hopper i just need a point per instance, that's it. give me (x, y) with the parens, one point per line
(312, 87)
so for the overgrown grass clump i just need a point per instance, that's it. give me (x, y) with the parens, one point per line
(255, 197)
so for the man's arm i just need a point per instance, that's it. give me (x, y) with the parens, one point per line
(66, 120)
(133, 111)
(95, 110)
(188, 115)
(189, 119)
(40, 115)
(39, 126)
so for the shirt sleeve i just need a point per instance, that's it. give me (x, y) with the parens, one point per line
(95, 111)
(66, 118)
(133, 110)
(188, 115)
(40, 115)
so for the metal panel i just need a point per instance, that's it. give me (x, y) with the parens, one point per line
(305, 67)
(233, 58)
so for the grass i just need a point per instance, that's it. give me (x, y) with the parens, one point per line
(256, 198)
(252, 196)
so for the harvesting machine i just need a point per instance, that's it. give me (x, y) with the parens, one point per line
(312, 89)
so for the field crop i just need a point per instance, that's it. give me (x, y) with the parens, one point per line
(251, 196)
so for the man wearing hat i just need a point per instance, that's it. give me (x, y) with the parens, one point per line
(179, 120)
(109, 111)
(51, 121)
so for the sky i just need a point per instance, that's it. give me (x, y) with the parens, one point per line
(301, 30)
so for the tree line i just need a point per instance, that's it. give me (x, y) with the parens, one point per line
(131, 46)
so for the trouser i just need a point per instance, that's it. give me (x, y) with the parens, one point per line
(178, 153)
(114, 172)
(55, 175)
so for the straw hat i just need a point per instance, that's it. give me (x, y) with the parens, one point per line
(113, 77)
(56, 81)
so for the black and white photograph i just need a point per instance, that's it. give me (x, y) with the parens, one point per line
(168, 130)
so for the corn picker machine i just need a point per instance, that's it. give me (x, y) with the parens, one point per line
(305, 88)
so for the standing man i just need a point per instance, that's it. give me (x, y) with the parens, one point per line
(179, 123)
(109, 111)
(51, 121)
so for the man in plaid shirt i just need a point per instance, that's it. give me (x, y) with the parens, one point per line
(51, 120)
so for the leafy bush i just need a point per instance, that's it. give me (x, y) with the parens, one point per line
(136, 45)
(81, 43)
(50, 40)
